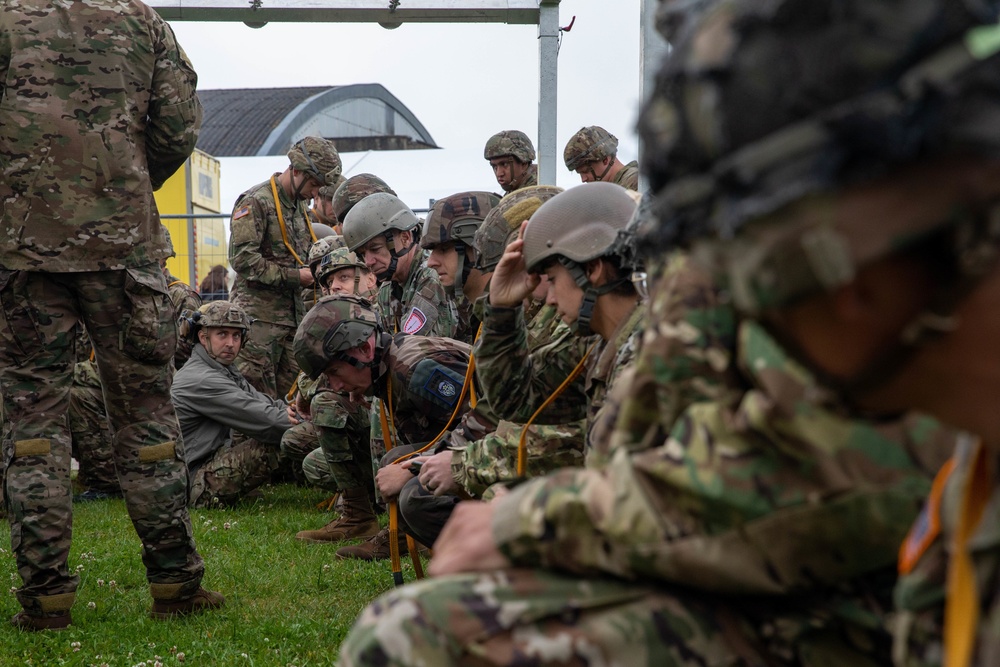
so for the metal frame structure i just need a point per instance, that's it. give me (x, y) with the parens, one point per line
(393, 13)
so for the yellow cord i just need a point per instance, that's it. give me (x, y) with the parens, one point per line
(281, 223)
(522, 443)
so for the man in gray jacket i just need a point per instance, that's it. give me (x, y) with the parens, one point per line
(213, 399)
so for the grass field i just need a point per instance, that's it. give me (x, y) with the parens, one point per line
(287, 602)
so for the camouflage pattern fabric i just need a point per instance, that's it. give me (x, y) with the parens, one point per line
(466, 319)
(296, 444)
(182, 297)
(103, 134)
(510, 142)
(37, 322)
(354, 189)
(589, 144)
(529, 179)
(420, 305)
(231, 472)
(628, 176)
(267, 283)
(88, 423)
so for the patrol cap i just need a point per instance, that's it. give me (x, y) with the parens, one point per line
(510, 142)
(334, 325)
(354, 189)
(762, 106)
(456, 218)
(317, 157)
(504, 220)
(589, 144)
(579, 224)
(374, 215)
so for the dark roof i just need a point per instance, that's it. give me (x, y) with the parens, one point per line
(267, 121)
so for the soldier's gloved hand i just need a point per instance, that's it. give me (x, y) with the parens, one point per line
(511, 283)
(435, 474)
(466, 544)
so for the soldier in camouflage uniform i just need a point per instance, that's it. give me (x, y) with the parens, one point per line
(322, 211)
(511, 156)
(419, 378)
(182, 297)
(269, 241)
(320, 248)
(353, 190)
(448, 231)
(93, 447)
(83, 148)
(778, 510)
(594, 148)
(213, 400)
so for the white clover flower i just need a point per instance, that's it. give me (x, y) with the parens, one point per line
(180, 657)
(91, 605)
(100, 582)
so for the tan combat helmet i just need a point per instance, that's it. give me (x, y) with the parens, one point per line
(504, 220)
(381, 214)
(455, 219)
(574, 227)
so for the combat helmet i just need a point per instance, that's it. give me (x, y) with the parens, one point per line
(510, 142)
(342, 258)
(575, 227)
(316, 157)
(588, 145)
(455, 219)
(354, 189)
(334, 325)
(504, 220)
(321, 230)
(214, 314)
(327, 191)
(381, 214)
(320, 248)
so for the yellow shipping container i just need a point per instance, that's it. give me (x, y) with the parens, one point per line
(200, 243)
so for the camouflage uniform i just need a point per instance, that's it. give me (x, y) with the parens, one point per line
(102, 135)
(182, 297)
(516, 144)
(88, 423)
(419, 306)
(628, 176)
(592, 144)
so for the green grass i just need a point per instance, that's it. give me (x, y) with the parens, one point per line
(287, 602)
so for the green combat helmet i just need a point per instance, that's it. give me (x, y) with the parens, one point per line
(342, 258)
(354, 190)
(510, 142)
(588, 145)
(316, 157)
(381, 214)
(575, 227)
(323, 246)
(333, 326)
(504, 220)
(455, 219)
(214, 314)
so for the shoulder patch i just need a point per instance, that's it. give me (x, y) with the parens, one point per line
(927, 526)
(415, 321)
(442, 387)
(240, 213)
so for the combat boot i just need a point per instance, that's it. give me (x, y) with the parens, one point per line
(374, 548)
(357, 519)
(203, 600)
(59, 620)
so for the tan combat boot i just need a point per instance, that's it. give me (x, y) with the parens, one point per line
(357, 519)
(167, 606)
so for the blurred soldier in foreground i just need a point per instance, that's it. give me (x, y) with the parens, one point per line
(511, 156)
(853, 228)
(84, 146)
(593, 149)
(268, 247)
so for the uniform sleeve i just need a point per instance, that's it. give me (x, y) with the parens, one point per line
(249, 412)
(430, 312)
(517, 381)
(246, 233)
(174, 115)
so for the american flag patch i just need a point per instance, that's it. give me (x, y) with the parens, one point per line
(241, 212)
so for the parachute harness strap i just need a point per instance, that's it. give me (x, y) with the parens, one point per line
(281, 223)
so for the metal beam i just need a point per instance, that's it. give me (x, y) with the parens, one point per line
(548, 89)
(258, 12)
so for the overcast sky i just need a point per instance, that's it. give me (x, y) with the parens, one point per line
(463, 81)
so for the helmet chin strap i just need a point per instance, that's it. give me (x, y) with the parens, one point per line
(297, 194)
(603, 173)
(581, 327)
(395, 254)
(463, 272)
(379, 369)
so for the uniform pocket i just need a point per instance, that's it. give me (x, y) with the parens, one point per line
(19, 334)
(150, 332)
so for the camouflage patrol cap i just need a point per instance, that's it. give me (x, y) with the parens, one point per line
(510, 142)
(317, 157)
(579, 224)
(504, 220)
(335, 260)
(589, 144)
(768, 109)
(374, 215)
(456, 218)
(323, 247)
(333, 326)
(354, 189)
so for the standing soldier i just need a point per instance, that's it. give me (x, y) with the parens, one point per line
(268, 247)
(83, 148)
(511, 154)
(594, 148)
